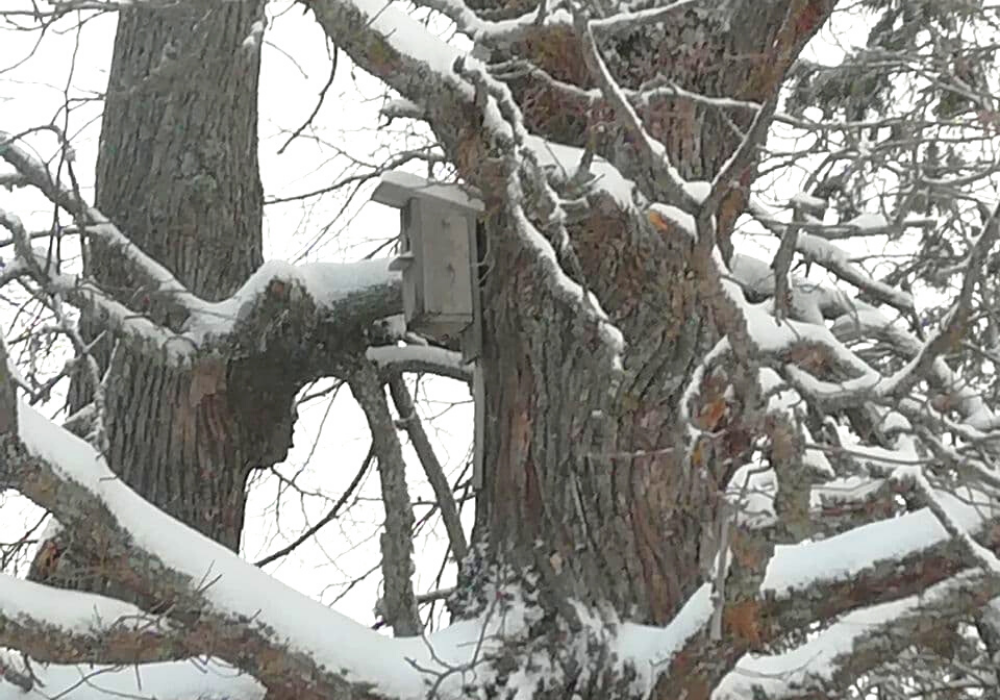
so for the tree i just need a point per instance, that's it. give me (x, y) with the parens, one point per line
(703, 473)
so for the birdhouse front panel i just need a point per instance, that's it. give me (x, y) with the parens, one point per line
(446, 292)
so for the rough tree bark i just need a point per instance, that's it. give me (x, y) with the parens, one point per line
(592, 465)
(177, 169)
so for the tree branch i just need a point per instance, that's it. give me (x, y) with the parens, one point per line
(397, 540)
(432, 466)
(236, 611)
(326, 519)
(421, 360)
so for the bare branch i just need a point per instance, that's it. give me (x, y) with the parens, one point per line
(396, 541)
(432, 466)
(326, 519)
(652, 152)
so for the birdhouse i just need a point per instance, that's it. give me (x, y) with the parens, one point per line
(438, 257)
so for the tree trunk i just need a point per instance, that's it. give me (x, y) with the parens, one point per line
(178, 172)
(601, 473)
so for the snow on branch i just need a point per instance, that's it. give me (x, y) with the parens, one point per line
(61, 626)
(160, 279)
(881, 545)
(326, 286)
(320, 295)
(828, 255)
(884, 562)
(861, 640)
(810, 302)
(168, 680)
(668, 178)
(81, 293)
(564, 288)
(395, 47)
(553, 252)
(533, 24)
(983, 556)
(869, 323)
(658, 646)
(421, 358)
(285, 640)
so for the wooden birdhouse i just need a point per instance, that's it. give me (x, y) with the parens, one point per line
(438, 257)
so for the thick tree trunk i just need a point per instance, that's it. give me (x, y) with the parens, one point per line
(600, 473)
(177, 171)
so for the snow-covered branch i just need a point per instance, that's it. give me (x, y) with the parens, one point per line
(159, 279)
(859, 642)
(892, 562)
(319, 308)
(286, 641)
(818, 249)
(421, 359)
(168, 680)
(652, 151)
(60, 626)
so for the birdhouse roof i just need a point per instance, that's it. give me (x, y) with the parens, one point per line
(395, 189)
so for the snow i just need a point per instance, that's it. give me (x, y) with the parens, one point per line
(868, 222)
(785, 399)
(830, 255)
(472, 25)
(252, 41)
(698, 190)
(326, 283)
(242, 590)
(71, 611)
(412, 39)
(176, 680)
(869, 321)
(819, 388)
(753, 272)
(681, 219)
(567, 158)
(448, 360)
(914, 473)
(570, 290)
(772, 336)
(843, 556)
(848, 489)
(808, 201)
(752, 490)
(775, 675)
(167, 283)
(654, 647)
(401, 107)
